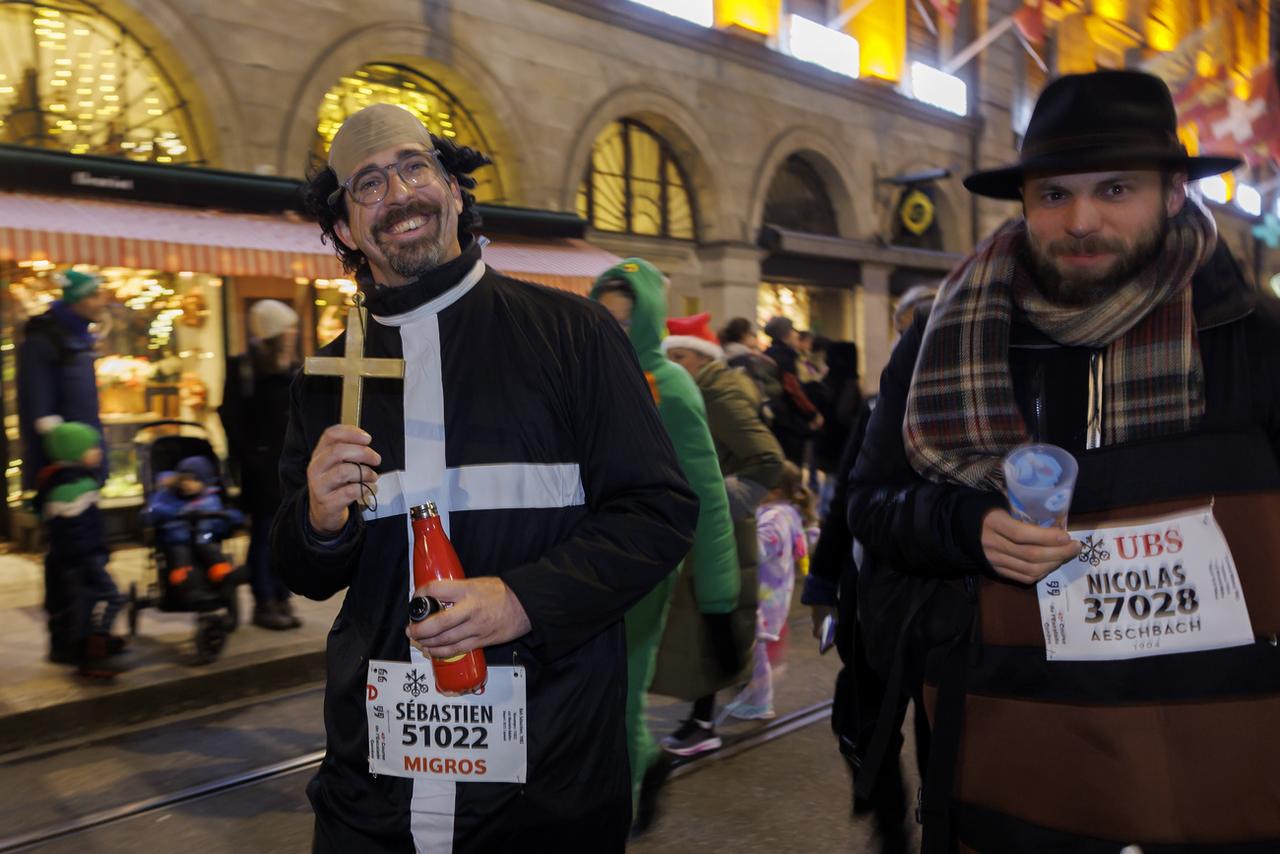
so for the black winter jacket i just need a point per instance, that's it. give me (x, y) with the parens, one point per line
(931, 529)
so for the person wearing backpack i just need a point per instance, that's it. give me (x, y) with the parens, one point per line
(57, 385)
(1108, 320)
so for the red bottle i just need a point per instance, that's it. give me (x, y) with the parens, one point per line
(435, 560)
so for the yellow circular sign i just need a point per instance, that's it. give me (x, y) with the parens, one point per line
(917, 212)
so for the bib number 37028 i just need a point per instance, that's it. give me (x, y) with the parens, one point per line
(1152, 588)
(416, 732)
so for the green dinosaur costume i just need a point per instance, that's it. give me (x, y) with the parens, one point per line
(714, 557)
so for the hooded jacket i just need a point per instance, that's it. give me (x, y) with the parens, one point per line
(714, 559)
(751, 456)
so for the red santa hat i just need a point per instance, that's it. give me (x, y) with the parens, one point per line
(693, 333)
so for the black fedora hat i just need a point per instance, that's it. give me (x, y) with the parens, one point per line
(1091, 122)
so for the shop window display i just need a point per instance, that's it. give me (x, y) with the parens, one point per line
(160, 356)
(332, 299)
(783, 301)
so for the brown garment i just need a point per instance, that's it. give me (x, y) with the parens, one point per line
(1196, 769)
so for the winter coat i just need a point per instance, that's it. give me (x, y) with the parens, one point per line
(255, 415)
(713, 561)
(167, 510)
(67, 498)
(751, 461)
(839, 402)
(1171, 709)
(56, 381)
(542, 449)
(795, 411)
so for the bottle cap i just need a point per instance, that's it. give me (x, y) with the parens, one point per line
(421, 607)
(423, 511)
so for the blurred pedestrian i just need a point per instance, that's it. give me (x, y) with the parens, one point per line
(913, 300)
(797, 418)
(1108, 320)
(255, 416)
(742, 350)
(76, 565)
(840, 399)
(781, 523)
(703, 653)
(635, 293)
(57, 384)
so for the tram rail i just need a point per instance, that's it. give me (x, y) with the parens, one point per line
(777, 728)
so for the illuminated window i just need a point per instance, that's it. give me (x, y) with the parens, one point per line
(635, 185)
(938, 88)
(698, 11)
(443, 113)
(74, 79)
(824, 46)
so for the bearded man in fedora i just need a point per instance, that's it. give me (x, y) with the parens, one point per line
(1118, 684)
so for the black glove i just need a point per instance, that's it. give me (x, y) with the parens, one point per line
(724, 643)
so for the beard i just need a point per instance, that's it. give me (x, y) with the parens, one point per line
(1083, 289)
(415, 258)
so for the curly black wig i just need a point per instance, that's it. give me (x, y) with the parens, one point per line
(458, 160)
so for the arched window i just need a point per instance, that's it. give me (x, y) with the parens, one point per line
(427, 98)
(75, 79)
(634, 185)
(798, 199)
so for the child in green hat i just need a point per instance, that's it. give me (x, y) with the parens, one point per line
(76, 565)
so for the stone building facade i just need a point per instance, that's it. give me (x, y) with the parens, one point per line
(544, 78)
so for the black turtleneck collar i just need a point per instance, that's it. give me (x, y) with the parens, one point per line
(387, 302)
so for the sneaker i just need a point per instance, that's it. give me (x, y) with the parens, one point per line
(693, 737)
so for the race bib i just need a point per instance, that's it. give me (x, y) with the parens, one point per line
(416, 732)
(1156, 588)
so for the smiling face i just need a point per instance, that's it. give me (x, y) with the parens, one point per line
(1088, 233)
(412, 230)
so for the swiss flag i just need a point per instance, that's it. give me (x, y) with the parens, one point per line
(1228, 125)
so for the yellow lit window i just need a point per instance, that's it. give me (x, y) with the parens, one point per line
(443, 113)
(634, 185)
(129, 105)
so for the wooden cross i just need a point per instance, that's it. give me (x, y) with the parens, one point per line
(353, 367)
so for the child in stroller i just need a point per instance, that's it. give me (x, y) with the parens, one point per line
(191, 522)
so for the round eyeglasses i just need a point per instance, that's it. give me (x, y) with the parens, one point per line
(369, 185)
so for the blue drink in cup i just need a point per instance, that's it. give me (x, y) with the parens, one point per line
(1039, 480)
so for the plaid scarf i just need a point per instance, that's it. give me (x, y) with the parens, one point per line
(962, 417)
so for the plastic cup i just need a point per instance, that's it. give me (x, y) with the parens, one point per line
(1039, 480)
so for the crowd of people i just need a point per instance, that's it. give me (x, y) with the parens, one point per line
(636, 497)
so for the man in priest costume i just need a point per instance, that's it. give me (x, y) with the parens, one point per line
(523, 415)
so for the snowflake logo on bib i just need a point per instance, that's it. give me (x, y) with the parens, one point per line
(1093, 552)
(415, 684)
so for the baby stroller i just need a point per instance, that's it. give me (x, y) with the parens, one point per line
(161, 445)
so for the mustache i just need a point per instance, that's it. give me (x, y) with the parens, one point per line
(1091, 245)
(399, 215)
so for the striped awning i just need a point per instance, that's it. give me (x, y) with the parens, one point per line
(560, 262)
(66, 230)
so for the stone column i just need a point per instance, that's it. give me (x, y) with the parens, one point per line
(730, 281)
(875, 339)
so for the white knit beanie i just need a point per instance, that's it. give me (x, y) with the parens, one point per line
(269, 318)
